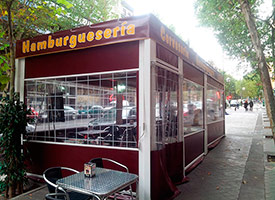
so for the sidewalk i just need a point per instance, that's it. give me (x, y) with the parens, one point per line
(237, 168)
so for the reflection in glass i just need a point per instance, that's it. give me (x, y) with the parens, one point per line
(94, 109)
(192, 107)
(166, 107)
(214, 104)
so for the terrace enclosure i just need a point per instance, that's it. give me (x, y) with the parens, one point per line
(127, 89)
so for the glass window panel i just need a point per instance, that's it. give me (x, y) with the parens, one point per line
(192, 107)
(99, 109)
(214, 104)
(166, 107)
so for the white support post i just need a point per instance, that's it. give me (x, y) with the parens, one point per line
(180, 113)
(205, 115)
(145, 123)
(19, 77)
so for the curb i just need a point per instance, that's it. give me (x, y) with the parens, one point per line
(29, 192)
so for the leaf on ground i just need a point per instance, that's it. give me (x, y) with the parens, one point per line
(244, 182)
(217, 188)
(209, 173)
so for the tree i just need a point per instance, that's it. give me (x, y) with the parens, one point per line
(247, 88)
(28, 18)
(229, 85)
(257, 86)
(262, 65)
(12, 158)
(25, 19)
(244, 36)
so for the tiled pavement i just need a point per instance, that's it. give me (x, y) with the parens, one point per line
(237, 167)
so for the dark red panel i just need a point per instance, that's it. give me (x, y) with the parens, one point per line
(174, 166)
(193, 74)
(214, 83)
(44, 156)
(215, 130)
(193, 147)
(115, 31)
(98, 59)
(162, 187)
(167, 56)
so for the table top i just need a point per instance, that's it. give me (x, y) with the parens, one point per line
(104, 183)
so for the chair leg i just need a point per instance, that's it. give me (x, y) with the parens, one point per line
(131, 192)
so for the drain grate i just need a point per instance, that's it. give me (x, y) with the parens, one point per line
(271, 158)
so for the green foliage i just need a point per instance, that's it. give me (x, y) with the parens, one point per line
(31, 18)
(248, 88)
(226, 20)
(257, 87)
(13, 122)
(3, 186)
(4, 63)
(229, 85)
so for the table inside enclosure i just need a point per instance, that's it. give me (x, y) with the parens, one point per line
(105, 183)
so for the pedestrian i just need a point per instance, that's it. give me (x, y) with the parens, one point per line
(251, 105)
(245, 105)
(225, 107)
(237, 105)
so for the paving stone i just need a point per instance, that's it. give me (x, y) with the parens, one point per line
(237, 165)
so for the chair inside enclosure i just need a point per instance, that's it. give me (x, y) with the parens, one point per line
(51, 176)
(56, 196)
(129, 137)
(113, 137)
(100, 162)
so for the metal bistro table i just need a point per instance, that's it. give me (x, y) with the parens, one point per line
(102, 185)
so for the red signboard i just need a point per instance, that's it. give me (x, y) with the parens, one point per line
(115, 31)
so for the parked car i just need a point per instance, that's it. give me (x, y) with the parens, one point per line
(30, 128)
(234, 103)
(69, 113)
(92, 111)
(33, 115)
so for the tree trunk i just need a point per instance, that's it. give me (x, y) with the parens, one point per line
(19, 188)
(262, 65)
(273, 37)
(12, 49)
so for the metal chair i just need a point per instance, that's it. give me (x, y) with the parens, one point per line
(129, 137)
(99, 163)
(56, 196)
(51, 175)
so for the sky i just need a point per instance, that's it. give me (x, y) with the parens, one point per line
(181, 14)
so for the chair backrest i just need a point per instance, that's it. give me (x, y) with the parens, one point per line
(99, 163)
(52, 175)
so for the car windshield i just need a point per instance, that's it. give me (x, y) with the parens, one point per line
(68, 108)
